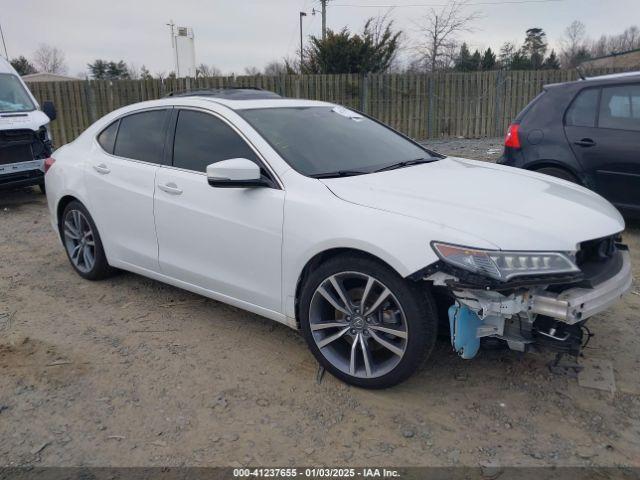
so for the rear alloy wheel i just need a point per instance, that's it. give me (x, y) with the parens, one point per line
(559, 173)
(82, 243)
(365, 324)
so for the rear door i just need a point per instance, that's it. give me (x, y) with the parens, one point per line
(120, 179)
(603, 128)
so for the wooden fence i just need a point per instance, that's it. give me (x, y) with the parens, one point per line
(421, 106)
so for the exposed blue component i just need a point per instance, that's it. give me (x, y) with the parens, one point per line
(464, 324)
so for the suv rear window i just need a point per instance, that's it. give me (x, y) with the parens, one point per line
(141, 136)
(582, 112)
(620, 108)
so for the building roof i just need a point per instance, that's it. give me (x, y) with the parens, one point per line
(48, 77)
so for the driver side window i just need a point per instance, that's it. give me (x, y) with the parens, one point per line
(202, 139)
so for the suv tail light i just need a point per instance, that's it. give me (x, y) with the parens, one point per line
(512, 139)
(48, 162)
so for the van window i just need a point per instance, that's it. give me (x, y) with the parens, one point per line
(202, 139)
(620, 108)
(13, 96)
(107, 137)
(141, 136)
(582, 112)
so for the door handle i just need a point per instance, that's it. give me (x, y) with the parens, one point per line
(101, 168)
(585, 142)
(171, 188)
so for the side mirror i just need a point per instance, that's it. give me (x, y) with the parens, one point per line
(236, 173)
(49, 110)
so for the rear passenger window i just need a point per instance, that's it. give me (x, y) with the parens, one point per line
(202, 139)
(107, 137)
(582, 112)
(141, 136)
(620, 108)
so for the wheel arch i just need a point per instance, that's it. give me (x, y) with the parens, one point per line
(540, 164)
(324, 256)
(62, 204)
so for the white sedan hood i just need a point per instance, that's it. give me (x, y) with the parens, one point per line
(509, 208)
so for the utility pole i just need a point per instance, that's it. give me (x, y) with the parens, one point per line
(302, 14)
(174, 47)
(4, 45)
(324, 19)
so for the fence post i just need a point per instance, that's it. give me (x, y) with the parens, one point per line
(364, 92)
(91, 101)
(498, 103)
(432, 103)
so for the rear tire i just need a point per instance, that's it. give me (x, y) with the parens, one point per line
(360, 343)
(559, 173)
(82, 243)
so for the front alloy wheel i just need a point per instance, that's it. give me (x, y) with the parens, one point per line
(366, 324)
(358, 324)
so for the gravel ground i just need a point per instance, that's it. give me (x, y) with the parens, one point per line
(131, 372)
(488, 149)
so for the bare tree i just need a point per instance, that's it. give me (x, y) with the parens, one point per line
(49, 59)
(275, 68)
(573, 45)
(133, 71)
(439, 29)
(623, 42)
(252, 71)
(205, 70)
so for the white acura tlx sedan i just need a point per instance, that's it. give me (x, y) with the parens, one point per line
(322, 218)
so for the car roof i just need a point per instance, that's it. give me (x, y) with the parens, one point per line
(612, 78)
(242, 98)
(230, 93)
(5, 67)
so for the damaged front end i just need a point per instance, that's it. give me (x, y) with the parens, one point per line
(528, 300)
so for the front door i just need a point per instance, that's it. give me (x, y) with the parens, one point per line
(609, 149)
(225, 240)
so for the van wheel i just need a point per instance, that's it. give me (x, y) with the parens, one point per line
(364, 323)
(559, 173)
(82, 243)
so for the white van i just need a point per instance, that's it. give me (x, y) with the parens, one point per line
(25, 142)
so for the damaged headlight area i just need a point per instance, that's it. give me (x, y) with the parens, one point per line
(501, 265)
(527, 299)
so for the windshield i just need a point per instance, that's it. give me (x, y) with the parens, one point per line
(13, 96)
(321, 140)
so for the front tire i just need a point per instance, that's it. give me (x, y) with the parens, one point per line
(364, 323)
(82, 243)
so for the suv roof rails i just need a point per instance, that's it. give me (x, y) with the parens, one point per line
(229, 93)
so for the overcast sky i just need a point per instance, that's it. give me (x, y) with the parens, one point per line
(233, 34)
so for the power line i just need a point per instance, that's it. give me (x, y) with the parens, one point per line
(395, 5)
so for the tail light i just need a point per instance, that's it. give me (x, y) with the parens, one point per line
(512, 139)
(48, 162)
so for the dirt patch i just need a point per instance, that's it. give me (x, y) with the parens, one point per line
(131, 372)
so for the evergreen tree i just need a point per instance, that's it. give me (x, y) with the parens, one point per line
(552, 62)
(535, 47)
(476, 60)
(520, 61)
(372, 51)
(23, 66)
(463, 62)
(145, 74)
(488, 60)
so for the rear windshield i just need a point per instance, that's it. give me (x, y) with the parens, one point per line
(13, 96)
(317, 140)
